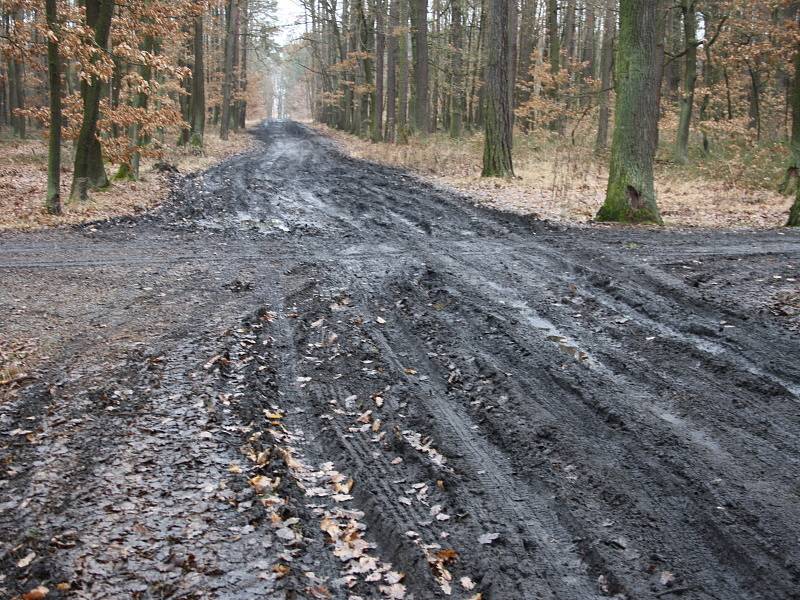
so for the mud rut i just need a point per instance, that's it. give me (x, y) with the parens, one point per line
(615, 408)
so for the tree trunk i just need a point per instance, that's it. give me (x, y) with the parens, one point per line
(794, 212)
(88, 171)
(606, 65)
(457, 99)
(497, 120)
(53, 200)
(569, 31)
(242, 112)
(631, 195)
(391, 71)
(380, 46)
(232, 15)
(554, 55)
(419, 23)
(402, 108)
(198, 101)
(755, 100)
(689, 80)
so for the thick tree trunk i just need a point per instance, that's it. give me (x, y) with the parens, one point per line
(419, 24)
(198, 101)
(689, 80)
(53, 200)
(606, 65)
(391, 71)
(497, 144)
(631, 195)
(88, 171)
(232, 16)
(457, 100)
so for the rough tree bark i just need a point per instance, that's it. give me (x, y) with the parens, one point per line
(419, 23)
(227, 81)
(53, 200)
(88, 171)
(689, 14)
(198, 99)
(554, 54)
(380, 46)
(497, 121)
(794, 212)
(391, 71)
(606, 66)
(403, 76)
(639, 66)
(241, 113)
(457, 99)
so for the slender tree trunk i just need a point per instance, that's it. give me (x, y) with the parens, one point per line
(380, 46)
(53, 200)
(794, 212)
(606, 65)
(554, 54)
(232, 16)
(198, 102)
(569, 31)
(391, 71)
(631, 194)
(88, 169)
(513, 49)
(689, 80)
(755, 100)
(497, 144)
(403, 76)
(242, 112)
(457, 100)
(419, 18)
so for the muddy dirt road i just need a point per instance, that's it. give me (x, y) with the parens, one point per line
(313, 377)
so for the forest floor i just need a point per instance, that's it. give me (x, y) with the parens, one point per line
(567, 183)
(23, 182)
(310, 376)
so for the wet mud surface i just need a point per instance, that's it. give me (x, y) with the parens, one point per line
(313, 377)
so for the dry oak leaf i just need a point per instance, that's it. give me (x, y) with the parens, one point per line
(36, 593)
(467, 583)
(447, 555)
(280, 570)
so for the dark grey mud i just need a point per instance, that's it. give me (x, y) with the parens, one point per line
(616, 408)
